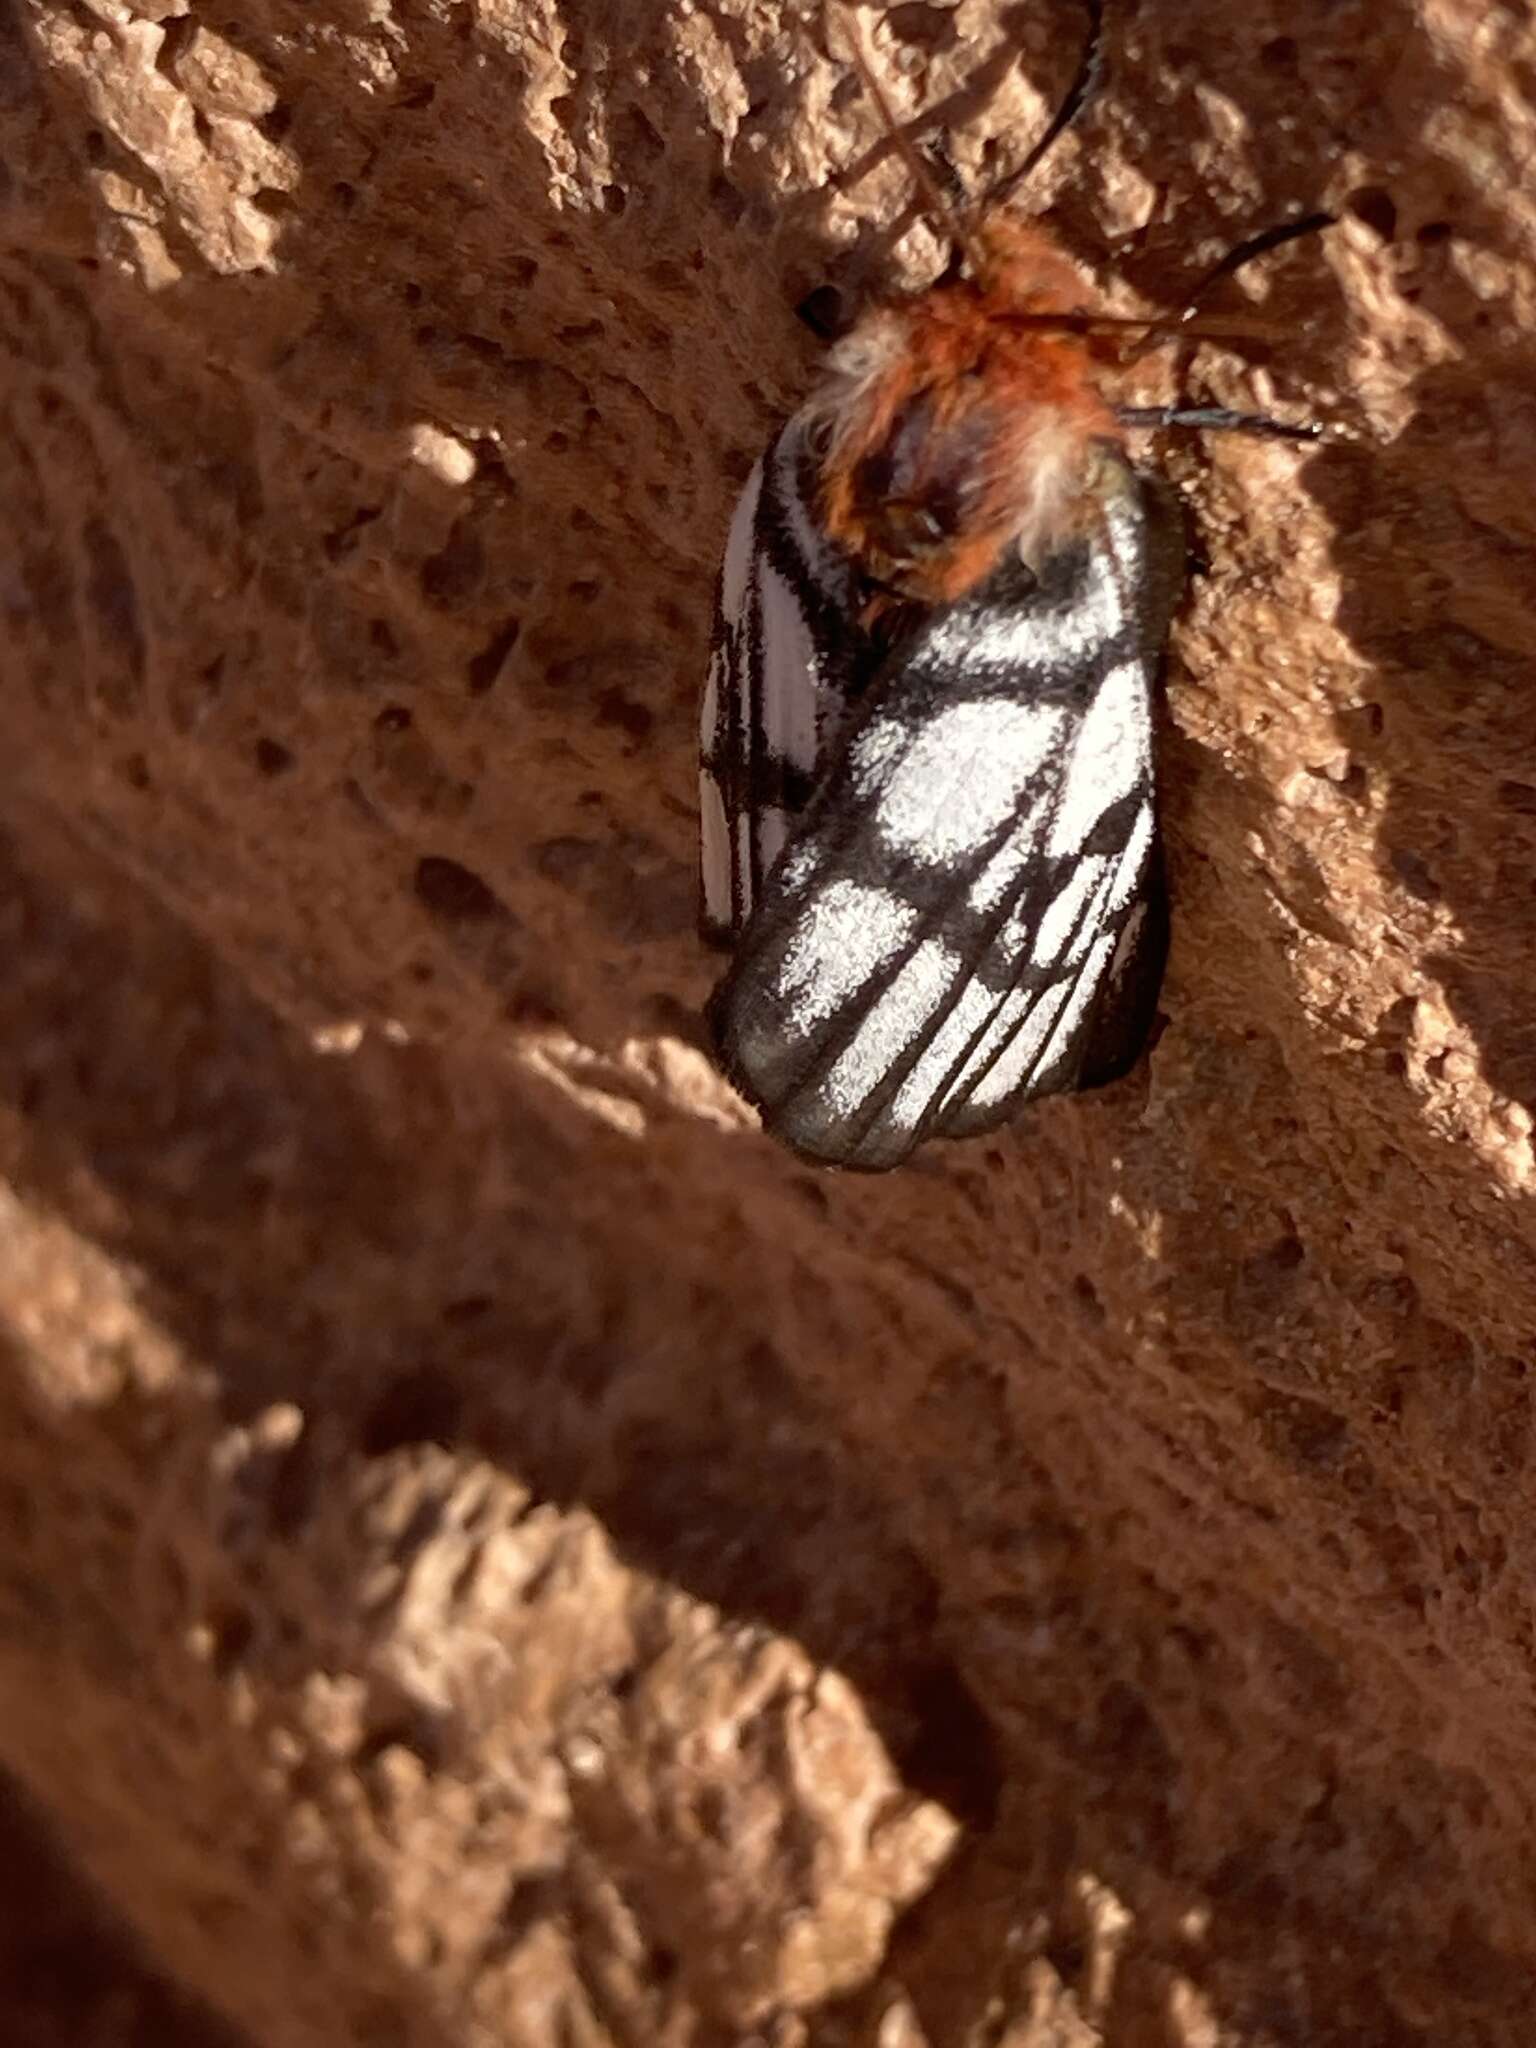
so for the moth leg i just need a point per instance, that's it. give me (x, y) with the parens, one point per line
(1220, 419)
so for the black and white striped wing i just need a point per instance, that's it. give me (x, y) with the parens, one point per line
(787, 656)
(971, 912)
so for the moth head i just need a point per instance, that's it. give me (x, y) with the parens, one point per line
(944, 435)
(910, 499)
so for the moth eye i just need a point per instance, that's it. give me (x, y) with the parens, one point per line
(907, 528)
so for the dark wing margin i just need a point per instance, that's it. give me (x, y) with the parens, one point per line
(971, 913)
(787, 655)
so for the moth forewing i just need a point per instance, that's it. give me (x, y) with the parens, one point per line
(936, 943)
(787, 655)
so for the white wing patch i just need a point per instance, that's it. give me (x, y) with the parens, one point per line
(953, 784)
(791, 672)
(1058, 935)
(1080, 993)
(845, 933)
(921, 987)
(783, 654)
(1111, 753)
(1049, 638)
(1014, 1054)
(740, 546)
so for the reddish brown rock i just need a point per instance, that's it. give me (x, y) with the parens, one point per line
(495, 1552)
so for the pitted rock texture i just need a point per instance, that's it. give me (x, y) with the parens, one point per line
(495, 1551)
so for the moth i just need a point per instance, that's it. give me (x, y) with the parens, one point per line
(927, 781)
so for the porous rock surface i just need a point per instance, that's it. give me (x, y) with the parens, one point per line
(493, 1550)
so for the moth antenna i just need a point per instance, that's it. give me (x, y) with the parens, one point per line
(1234, 327)
(940, 214)
(1181, 322)
(1255, 245)
(1085, 86)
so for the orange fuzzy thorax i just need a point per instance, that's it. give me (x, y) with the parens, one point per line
(954, 432)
